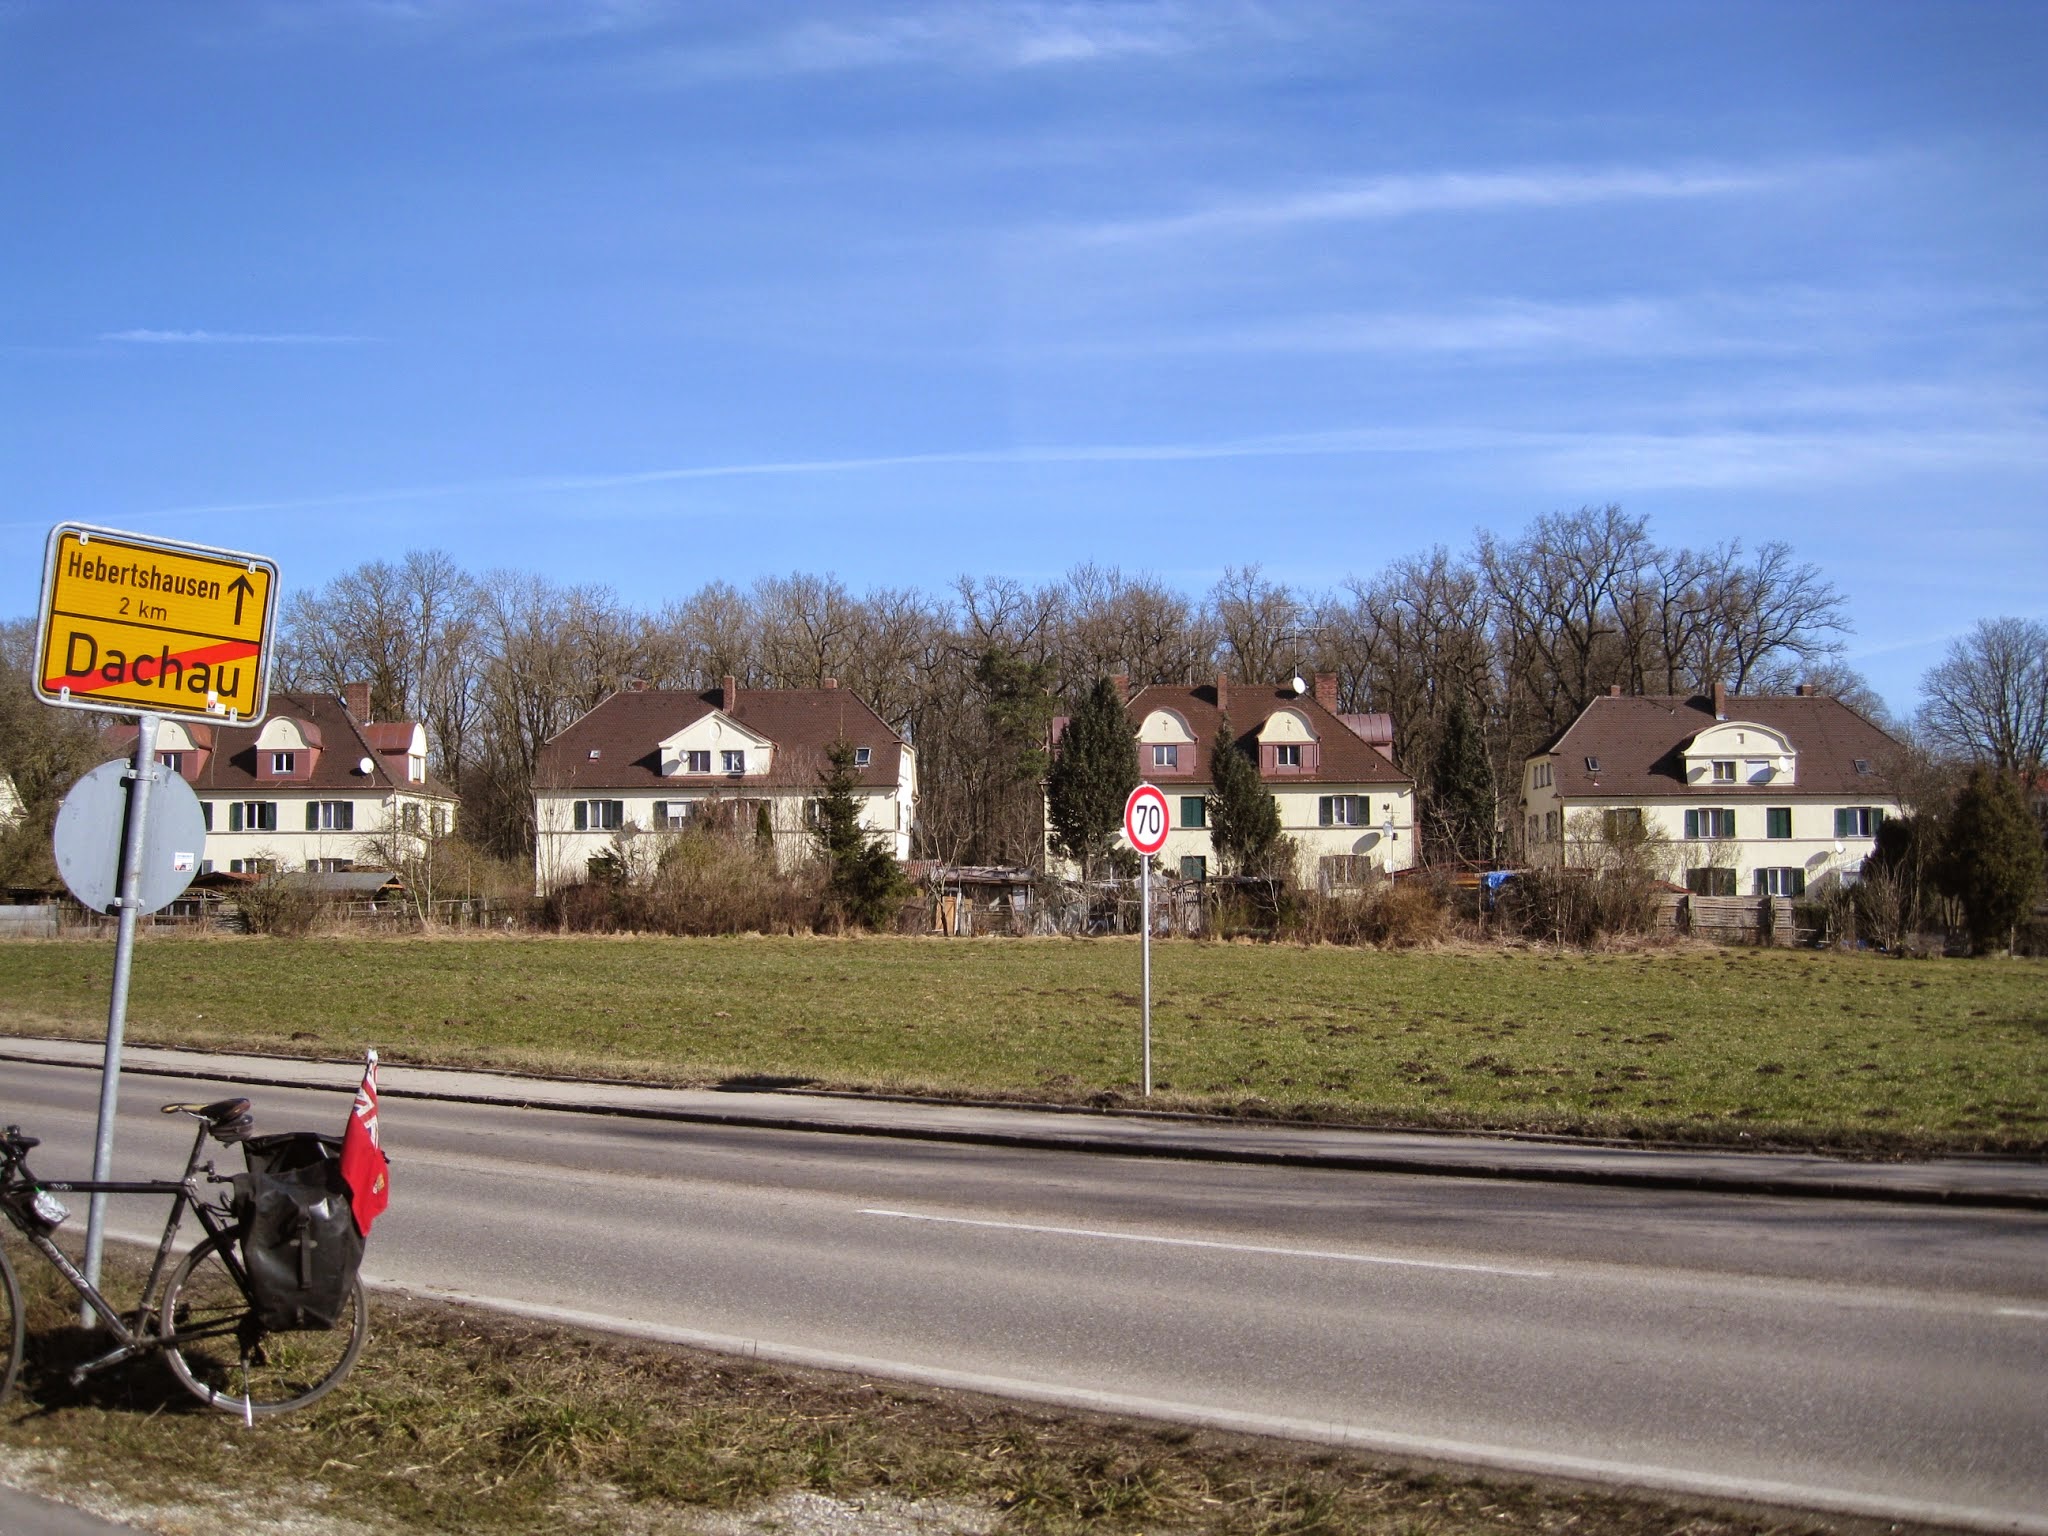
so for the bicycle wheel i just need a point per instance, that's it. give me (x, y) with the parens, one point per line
(226, 1358)
(12, 1332)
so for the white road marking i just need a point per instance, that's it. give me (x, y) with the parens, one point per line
(1196, 1242)
(2035, 1312)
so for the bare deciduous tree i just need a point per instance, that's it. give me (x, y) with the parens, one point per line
(1988, 699)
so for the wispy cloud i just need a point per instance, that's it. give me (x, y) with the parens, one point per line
(1399, 197)
(1581, 462)
(230, 338)
(963, 37)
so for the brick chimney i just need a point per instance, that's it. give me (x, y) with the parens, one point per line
(1803, 691)
(1223, 692)
(1123, 686)
(831, 682)
(729, 694)
(1326, 690)
(355, 698)
(1720, 701)
(1614, 690)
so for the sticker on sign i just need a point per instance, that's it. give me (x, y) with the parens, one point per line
(139, 625)
(1146, 821)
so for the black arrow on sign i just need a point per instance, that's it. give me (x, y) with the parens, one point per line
(241, 588)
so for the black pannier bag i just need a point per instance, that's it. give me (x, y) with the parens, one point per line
(299, 1239)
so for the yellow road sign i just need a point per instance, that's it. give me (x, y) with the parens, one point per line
(152, 626)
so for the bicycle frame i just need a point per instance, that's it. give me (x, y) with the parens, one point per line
(133, 1337)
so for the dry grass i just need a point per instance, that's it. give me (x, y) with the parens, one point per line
(458, 1421)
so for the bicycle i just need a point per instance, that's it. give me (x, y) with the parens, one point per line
(204, 1318)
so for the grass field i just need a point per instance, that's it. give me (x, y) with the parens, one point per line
(460, 1421)
(1858, 1052)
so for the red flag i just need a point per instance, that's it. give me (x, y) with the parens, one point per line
(363, 1167)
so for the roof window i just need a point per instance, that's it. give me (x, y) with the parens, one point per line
(596, 753)
(1863, 765)
(1592, 765)
(862, 756)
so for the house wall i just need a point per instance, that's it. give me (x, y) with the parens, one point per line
(1812, 848)
(1299, 820)
(562, 854)
(292, 846)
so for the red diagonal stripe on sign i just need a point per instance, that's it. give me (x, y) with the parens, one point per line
(96, 681)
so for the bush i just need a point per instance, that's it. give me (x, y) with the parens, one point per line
(1577, 907)
(1403, 914)
(280, 906)
(702, 882)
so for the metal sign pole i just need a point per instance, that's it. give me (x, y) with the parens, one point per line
(130, 901)
(1145, 945)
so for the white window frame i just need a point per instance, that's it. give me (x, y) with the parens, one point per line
(1165, 755)
(697, 761)
(252, 815)
(599, 815)
(1287, 754)
(733, 760)
(1721, 770)
(862, 756)
(1343, 811)
(330, 815)
(283, 764)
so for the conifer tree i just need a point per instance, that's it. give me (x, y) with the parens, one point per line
(1244, 818)
(1092, 776)
(1462, 799)
(863, 883)
(1992, 861)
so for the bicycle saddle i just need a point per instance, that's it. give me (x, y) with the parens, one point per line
(226, 1119)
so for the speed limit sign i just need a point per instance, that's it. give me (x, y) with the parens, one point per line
(1146, 821)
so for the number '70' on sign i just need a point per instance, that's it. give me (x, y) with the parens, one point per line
(1146, 821)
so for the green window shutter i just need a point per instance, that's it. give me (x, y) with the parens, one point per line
(1841, 823)
(206, 814)
(312, 815)
(1194, 811)
(1692, 824)
(348, 815)
(660, 814)
(582, 815)
(1324, 811)
(234, 815)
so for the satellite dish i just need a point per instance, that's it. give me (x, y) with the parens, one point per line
(365, 766)
(1300, 685)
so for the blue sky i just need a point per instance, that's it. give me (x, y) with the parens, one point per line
(652, 293)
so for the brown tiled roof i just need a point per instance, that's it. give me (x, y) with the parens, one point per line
(1639, 745)
(1346, 756)
(626, 731)
(342, 742)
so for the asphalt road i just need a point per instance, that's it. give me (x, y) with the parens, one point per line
(1858, 1357)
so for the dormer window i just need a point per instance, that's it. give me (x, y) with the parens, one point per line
(696, 762)
(733, 761)
(1287, 755)
(1166, 757)
(416, 767)
(175, 761)
(1724, 770)
(862, 756)
(283, 763)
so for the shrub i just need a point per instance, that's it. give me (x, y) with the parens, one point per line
(280, 906)
(1400, 914)
(1577, 907)
(702, 882)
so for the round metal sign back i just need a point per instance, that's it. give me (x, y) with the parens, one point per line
(90, 824)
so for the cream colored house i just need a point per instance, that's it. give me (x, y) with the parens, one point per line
(315, 785)
(1731, 795)
(660, 760)
(1349, 811)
